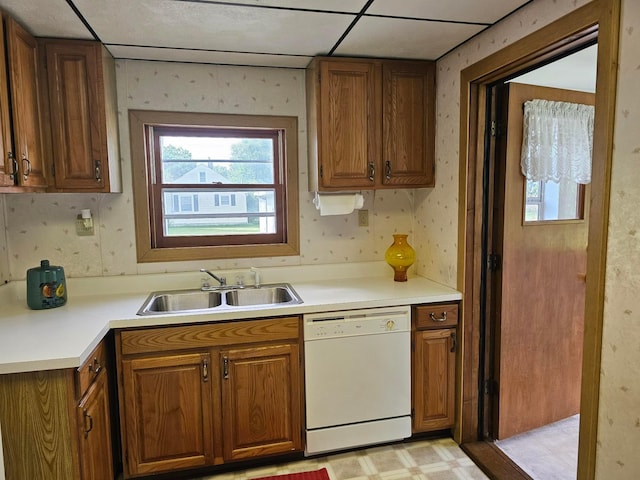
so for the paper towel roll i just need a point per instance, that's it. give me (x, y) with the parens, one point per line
(338, 203)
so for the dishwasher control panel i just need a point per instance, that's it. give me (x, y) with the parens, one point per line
(349, 323)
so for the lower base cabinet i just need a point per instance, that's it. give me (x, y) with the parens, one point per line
(434, 367)
(199, 395)
(56, 423)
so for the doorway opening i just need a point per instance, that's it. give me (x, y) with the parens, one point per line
(535, 227)
(596, 20)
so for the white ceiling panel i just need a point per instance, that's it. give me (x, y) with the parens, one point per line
(166, 23)
(202, 56)
(475, 11)
(51, 18)
(378, 37)
(326, 5)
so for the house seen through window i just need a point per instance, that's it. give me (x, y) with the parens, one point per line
(216, 185)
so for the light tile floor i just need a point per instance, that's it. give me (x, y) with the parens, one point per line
(546, 453)
(439, 459)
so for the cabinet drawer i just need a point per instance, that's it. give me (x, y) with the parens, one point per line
(161, 339)
(89, 370)
(435, 316)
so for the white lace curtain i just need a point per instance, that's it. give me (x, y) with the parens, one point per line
(557, 141)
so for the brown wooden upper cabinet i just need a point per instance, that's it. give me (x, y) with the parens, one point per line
(83, 112)
(21, 144)
(371, 123)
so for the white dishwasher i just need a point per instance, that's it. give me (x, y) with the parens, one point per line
(357, 378)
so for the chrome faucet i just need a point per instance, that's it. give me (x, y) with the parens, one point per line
(221, 280)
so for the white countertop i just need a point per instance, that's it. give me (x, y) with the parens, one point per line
(63, 337)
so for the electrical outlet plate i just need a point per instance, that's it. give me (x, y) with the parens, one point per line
(363, 218)
(82, 230)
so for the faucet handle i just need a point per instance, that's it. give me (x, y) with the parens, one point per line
(256, 274)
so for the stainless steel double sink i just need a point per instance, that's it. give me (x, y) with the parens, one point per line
(222, 298)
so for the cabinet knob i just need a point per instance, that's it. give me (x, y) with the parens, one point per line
(387, 166)
(205, 370)
(372, 171)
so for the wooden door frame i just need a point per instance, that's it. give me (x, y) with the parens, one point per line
(598, 19)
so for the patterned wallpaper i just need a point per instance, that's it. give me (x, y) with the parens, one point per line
(436, 221)
(40, 226)
(619, 420)
(48, 229)
(4, 253)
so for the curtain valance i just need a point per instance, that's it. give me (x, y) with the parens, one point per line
(557, 141)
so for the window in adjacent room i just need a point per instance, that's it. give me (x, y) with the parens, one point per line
(214, 186)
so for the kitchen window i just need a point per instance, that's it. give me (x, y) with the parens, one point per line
(214, 186)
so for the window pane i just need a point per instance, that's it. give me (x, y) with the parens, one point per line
(233, 212)
(553, 201)
(218, 160)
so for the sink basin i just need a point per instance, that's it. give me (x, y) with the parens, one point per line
(180, 301)
(223, 298)
(266, 295)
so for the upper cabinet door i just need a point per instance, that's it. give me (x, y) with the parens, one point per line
(350, 124)
(6, 164)
(78, 122)
(28, 149)
(409, 124)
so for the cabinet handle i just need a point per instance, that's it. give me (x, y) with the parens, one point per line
(372, 171)
(98, 172)
(225, 367)
(95, 367)
(90, 418)
(14, 165)
(27, 168)
(454, 342)
(388, 169)
(205, 370)
(443, 318)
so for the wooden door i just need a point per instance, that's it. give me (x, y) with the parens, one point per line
(434, 379)
(542, 295)
(168, 407)
(350, 132)
(408, 124)
(25, 106)
(261, 401)
(96, 461)
(76, 95)
(6, 145)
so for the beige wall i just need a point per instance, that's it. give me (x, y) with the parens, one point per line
(619, 419)
(42, 226)
(436, 217)
(4, 254)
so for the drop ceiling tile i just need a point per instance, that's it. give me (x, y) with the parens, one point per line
(166, 23)
(415, 39)
(203, 56)
(326, 5)
(484, 11)
(51, 18)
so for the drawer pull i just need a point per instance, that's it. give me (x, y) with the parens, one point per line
(443, 318)
(95, 367)
(372, 171)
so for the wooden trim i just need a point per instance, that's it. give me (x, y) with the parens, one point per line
(141, 173)
(494, 461)
(600, 19)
